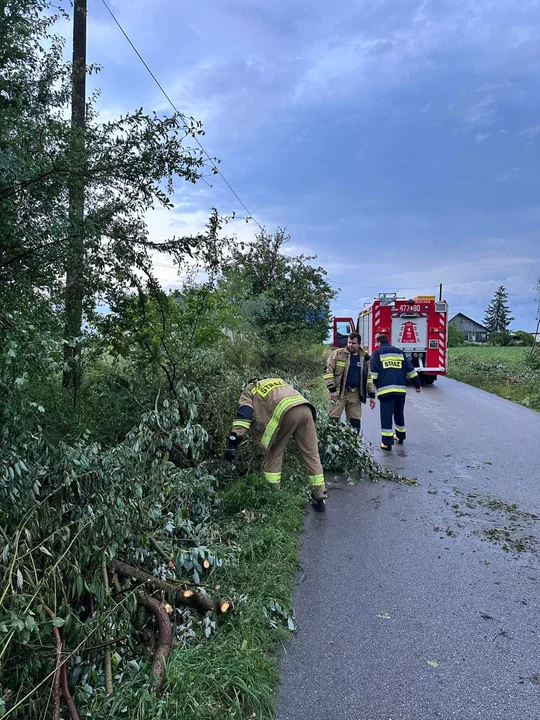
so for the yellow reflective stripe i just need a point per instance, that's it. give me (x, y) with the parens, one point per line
(385, 433)
(262, 383)
(392, 357)
(392, 389)
(341, 364)
(328, 376)
(276, 417)
(316, 480)
(374, 376)
(242, 423)
(272, 478)
(412, 374)
(400, 429)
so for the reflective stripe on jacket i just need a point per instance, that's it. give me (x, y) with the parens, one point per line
(261, 409)
(390, 369)
(337, 368)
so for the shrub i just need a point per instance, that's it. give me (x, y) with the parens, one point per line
(501, 339)
(524, 338)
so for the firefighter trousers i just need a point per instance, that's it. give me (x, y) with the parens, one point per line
(392, 415)
(350, 402)
(298, 423)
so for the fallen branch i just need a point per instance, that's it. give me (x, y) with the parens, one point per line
(157, 547)
(56, 677)
(107, 661)
(165, 637)
(67, 695)
(188, 598)
(106, 644)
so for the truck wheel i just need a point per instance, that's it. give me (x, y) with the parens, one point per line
(427, 379)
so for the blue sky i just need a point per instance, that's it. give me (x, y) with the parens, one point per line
(397, 140)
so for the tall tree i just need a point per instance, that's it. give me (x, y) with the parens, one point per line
(497, 317)
(127, 167)
(284, 296)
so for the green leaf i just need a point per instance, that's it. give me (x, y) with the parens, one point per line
(58, 622)
(30, 623)
(291, 624)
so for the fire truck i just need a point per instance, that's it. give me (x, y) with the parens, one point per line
(418, 326)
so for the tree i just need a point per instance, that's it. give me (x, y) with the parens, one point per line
(128, 167)
(284, 296)
(455, 336)
(497, 317)
(524, 338)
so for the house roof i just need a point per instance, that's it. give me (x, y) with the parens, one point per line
(468, 318)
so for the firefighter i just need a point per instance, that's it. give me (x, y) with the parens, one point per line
(390, 369)
(273, 412)
(346, 375)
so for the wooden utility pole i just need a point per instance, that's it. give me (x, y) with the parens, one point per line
(74, 292)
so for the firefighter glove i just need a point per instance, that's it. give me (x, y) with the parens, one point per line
(232, 447)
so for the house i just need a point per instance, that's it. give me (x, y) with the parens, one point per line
(472, 331)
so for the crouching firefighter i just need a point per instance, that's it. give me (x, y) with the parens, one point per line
(274, 412)
(346, 375)
(390, 370)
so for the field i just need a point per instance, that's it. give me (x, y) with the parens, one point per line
(503, 371)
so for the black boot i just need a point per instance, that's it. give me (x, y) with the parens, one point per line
(318, 503)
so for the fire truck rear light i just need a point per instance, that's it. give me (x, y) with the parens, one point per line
(433, 330)
(415, 354)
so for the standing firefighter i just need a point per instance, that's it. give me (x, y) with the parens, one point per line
(390, 369)
(274, 412)
(346, 375)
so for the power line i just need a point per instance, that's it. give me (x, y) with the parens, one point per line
(378, 287)
(216, 169)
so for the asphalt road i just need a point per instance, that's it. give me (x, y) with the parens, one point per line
(423, 602)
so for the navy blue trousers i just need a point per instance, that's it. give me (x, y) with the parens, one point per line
(392, 415)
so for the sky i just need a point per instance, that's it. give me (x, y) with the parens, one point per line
(397, 140)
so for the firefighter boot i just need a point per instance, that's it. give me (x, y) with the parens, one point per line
(400, 441)
(318, 499)
(388, 448)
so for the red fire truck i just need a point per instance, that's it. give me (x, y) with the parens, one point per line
(418, 326)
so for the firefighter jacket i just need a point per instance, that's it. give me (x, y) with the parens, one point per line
(337, 368)
(262, 407)
(390, 369)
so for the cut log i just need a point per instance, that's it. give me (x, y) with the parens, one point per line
(188, 598)
(165, 637)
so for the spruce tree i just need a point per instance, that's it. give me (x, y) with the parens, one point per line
(497, 317)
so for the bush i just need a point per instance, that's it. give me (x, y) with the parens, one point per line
(455, 336)
(524, 338)
(501, 339)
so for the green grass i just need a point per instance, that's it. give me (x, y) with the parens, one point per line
(503, 371)
(234, 675)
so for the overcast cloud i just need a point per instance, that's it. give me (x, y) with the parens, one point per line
(398, 140)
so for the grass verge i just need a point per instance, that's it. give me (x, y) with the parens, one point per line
(232, 674)
(499, 370)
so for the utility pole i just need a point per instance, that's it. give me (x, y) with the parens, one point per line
(74, 291)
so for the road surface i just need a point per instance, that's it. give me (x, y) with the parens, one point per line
(420, 603)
